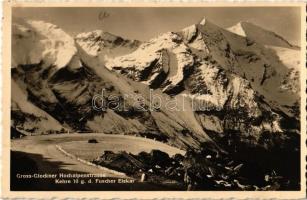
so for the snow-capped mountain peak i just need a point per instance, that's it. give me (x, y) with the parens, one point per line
(259, 34)
(43, 42)
(95, 42)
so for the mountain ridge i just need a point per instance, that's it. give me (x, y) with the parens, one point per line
(259, 34)
(201, 63)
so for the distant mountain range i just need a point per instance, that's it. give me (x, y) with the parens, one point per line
(248, 78)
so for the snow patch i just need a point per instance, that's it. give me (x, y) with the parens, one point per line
(203, 21)
(237, 29)
(189, 32)
(184, 60)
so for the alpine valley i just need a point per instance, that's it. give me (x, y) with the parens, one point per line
(233, 94)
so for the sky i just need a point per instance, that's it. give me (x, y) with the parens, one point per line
(146, 23)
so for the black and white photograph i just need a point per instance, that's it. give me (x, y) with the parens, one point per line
(173, 98)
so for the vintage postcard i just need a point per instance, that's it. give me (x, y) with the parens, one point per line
(140, 100)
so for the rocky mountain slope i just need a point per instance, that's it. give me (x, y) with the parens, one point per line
(201, 85)
(105, 45)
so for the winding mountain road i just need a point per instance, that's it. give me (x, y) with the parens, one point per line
(42, 149)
